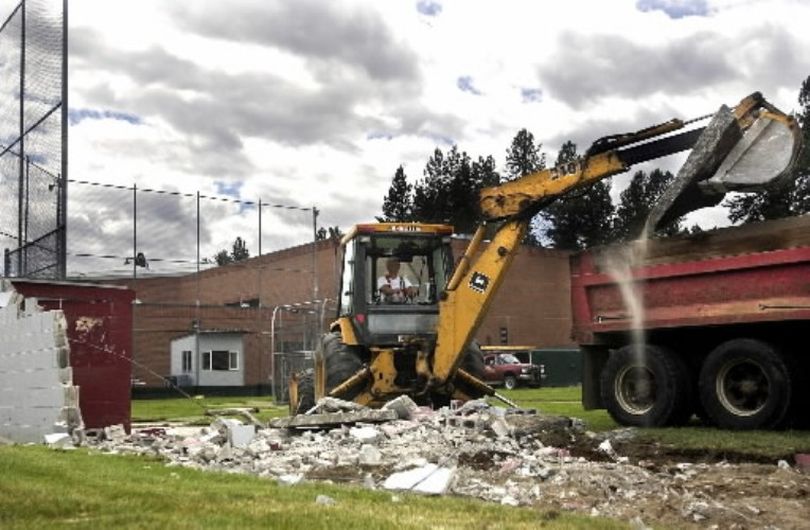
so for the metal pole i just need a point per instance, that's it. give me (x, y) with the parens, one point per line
(20, 272)
(273, 352)
(260, 226)
(62, 220)
(314, 253)
(198, 252)
(27, 212)
(134, 234)
(197, 308)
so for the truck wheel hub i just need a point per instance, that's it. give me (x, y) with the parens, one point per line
(635, 389)
(742, 387)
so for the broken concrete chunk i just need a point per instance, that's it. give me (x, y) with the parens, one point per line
(369, 456)
(326, 421)
(241, 435)
(58, 440)
(325, 500)
(508, 500)
(364, 434)
(115, 433)
(404, 406)
(430, 479)
(328, 405)
(290, 479)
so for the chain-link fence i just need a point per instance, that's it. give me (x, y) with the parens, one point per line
(116, 231)
(33, 135)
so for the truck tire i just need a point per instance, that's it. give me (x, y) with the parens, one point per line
(341, 362)
(306, 392)
(650, 390)
(746, 384)
(510, 382)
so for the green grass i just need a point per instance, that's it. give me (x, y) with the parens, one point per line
(194, 410)
(42, 488)
(564, 401)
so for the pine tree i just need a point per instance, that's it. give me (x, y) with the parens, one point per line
(398, 204)
(636, 202)
(580, 219)
(523, 157)
(448, 193)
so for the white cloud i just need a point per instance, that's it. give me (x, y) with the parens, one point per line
(317, 102)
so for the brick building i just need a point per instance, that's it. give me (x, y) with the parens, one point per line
(276, 302)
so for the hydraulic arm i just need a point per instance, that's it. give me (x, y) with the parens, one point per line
(746, 148)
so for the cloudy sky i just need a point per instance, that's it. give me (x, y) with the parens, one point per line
(316, 102)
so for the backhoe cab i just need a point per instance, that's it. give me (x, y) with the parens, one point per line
(407, 315)
(381, 344)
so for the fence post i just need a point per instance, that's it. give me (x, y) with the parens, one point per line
(62, 215)
(20, 242)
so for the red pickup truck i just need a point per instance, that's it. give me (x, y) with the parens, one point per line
(507, 370)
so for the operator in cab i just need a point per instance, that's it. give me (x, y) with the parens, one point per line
(394, 289)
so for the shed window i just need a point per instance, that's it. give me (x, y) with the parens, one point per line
(186, 361)
(221, 360)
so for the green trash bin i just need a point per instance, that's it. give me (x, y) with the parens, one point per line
(563, 366)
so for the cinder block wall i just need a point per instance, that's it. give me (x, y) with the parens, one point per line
(37, 396)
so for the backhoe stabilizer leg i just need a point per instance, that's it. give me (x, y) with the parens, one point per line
(469, 379)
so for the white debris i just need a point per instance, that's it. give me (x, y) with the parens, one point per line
(115, 433)
(364, 434)
(369, 456)
(430, 479)
(59, 440)
(508, 500)
(325, 500)
(290, 479)
(782, 464)
(404, 406)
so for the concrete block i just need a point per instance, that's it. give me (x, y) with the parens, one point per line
(58, 440)
(369, 456)
(241, 435)
(364, 434)
(404, 406)
(430, 479)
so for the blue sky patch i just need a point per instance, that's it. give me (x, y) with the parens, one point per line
(675, 8)
(428, 8)
(76, 116)
(465, 84)
(531, 95)
(231, 189)
(378, 135)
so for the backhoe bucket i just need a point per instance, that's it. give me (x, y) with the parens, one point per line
(729, 157)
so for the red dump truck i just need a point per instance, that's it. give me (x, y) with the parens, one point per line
(723, 332)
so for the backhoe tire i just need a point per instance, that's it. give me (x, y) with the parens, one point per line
(648, 390)
(341, 362)
(746, 384)
(510, 382)
(306, 391)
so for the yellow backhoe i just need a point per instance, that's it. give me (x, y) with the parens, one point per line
(420, 343)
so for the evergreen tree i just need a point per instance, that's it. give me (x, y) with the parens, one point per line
(448, 193)
(523, 157)
(333, 232)
(793, 196)
(580, 219)
(636, 202)
(398, 204)
(240, 251)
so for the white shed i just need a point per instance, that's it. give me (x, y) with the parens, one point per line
(209, 358)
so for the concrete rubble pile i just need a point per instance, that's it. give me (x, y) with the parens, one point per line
(507, 456)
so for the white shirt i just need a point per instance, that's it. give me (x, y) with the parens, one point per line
(395, 282)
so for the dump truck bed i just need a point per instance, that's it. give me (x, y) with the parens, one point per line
(754, 273)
